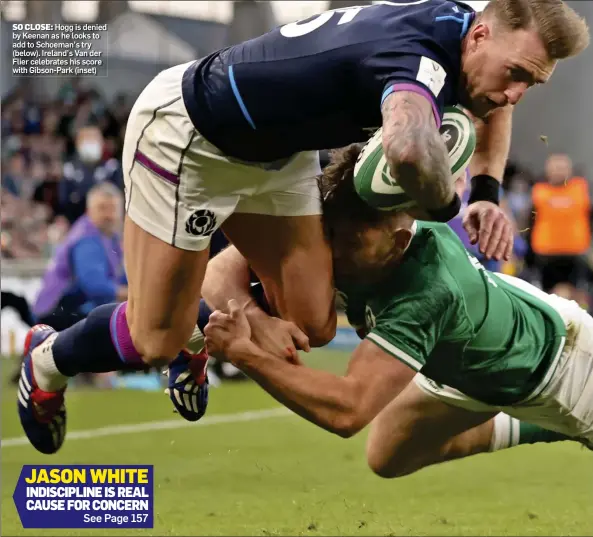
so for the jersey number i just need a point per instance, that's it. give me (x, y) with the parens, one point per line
(299, 28)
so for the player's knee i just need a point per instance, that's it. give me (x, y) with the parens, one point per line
(157, 347)
(378, 462)
(389, 465)
(318, 321)
(310, 306)
(391, 469)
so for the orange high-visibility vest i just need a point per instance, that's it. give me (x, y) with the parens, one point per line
(562, 225)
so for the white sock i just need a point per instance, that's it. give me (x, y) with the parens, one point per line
(505, 433)
(47, 375)
(196, 341)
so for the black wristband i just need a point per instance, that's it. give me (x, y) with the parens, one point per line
(484, 188)
(447, 213)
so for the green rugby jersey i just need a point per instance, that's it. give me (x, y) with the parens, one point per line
(440, 312)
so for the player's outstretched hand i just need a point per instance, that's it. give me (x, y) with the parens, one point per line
(487, 224)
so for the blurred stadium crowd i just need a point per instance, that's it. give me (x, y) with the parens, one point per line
(54, 152)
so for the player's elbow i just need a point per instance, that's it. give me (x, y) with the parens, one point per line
(348, 424)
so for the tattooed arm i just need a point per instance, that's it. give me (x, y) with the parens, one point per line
(415, 151)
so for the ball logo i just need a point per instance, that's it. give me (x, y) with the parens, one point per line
(386, 176)
(458, 133)
(201, 223)
(370, 319)
(450, 135)
(382, 182)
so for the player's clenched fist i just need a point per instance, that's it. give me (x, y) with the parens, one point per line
(228, 336)
(226, 333)
(487, 224)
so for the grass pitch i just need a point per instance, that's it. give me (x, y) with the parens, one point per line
(279, 475)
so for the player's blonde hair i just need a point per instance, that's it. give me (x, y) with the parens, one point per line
(563, 31)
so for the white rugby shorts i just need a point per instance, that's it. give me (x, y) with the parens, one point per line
(180, 188)
(563, 402)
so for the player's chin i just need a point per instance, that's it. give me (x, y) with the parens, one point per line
(479, 107)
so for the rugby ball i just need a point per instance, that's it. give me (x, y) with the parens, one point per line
(372, 178)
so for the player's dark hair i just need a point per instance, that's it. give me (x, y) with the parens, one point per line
(345, 213)
(563, 32)
(340, 200)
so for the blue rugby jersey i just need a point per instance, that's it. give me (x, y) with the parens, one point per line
(319, 83)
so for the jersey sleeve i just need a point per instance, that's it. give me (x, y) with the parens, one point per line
(418, 71)
(410, 326)
(423, 56)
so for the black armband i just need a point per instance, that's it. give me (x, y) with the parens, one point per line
(484, 188)
(448, 212)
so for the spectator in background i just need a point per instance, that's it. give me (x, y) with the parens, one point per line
(518, 199)
(561, 231)
(85, 171)
(47, 190)
(21, 306)
(69, 91)
(14, 175)
(87, 269)
(515, 265)
(38, 136)
(461, 187)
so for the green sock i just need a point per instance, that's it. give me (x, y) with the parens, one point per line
(532, 434)
(509, 432)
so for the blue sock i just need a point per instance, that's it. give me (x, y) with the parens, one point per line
(203, 315)
(97, 344)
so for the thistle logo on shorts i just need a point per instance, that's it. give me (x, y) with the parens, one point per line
(201, 223)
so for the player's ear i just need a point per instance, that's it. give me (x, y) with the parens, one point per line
(402, 226)
(479, 33)
(402, 238)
